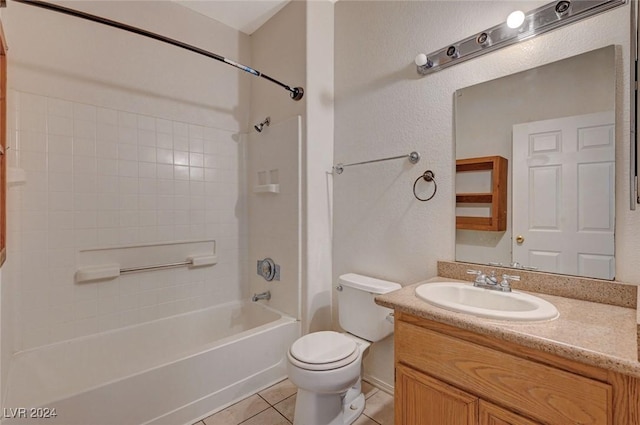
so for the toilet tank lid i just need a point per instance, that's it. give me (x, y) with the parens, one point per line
(369, 284)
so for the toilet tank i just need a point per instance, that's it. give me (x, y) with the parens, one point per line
(358, 313)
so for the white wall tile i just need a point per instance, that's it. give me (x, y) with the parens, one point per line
(85, 183)
(127, 168)
(107, 116)
(180, 143)
(146, 123)
(60, 126)
(99, 177)
(84, 146)
(107, 132)
(180, 172)
(146, 138)
(59, 108)
(196, 145)
(196, 173)
(164, 171)
(84, 129)
(60, 144)
(32, 121)
(180, 129)
(85, 238)
(127, 135)
(34, 141)
(83, 113)
(59, 163)
(146, 154)
(164, 140)
(147, 170)
(164, 126)
(127, 119)
(33, 161)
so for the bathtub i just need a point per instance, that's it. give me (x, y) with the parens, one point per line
(171, 371)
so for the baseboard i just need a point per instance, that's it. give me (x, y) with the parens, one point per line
(384, 386)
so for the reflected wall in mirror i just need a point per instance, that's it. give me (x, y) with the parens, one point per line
(555, 125)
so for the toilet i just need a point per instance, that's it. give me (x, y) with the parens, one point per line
(326, 366)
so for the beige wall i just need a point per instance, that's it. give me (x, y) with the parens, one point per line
(318, 161)
(296, 45)
(384, 108)
(278, 49)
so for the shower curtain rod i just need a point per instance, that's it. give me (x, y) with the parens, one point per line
(296, 93)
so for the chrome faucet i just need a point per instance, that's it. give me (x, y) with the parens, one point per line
(261, 296)
(491, 281)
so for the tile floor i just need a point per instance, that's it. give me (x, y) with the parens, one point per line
(275, 405)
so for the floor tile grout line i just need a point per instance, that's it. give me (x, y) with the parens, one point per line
(372, 419)
(280, 413)
(262, 411)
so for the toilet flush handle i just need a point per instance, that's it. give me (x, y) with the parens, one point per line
(339, 288)
(390, 318)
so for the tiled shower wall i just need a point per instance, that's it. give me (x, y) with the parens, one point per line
(99, 177)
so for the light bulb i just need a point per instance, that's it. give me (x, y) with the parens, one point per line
(515, 19)
(421, 59)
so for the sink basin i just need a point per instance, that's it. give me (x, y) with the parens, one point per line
(466, 298)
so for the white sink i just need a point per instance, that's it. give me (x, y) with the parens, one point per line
(466, 298)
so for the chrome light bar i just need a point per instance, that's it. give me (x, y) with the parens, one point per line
(537, 21)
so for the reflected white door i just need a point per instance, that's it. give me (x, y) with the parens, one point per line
(563, 195)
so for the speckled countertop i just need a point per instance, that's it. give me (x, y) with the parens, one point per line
(593, 333)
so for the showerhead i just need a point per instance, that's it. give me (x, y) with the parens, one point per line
(260, 127)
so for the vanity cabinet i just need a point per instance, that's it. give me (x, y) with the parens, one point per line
(446, 375)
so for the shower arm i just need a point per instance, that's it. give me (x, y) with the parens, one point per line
(296, 93)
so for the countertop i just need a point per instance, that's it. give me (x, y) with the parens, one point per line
(597, 334)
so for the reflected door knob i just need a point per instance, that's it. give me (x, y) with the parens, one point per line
(519, 239)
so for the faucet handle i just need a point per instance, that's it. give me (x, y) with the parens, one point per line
(505, 281)
(480, 276)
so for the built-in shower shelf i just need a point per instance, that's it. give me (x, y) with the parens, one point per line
(267, 188)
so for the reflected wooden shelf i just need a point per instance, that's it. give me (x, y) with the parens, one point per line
(497, 198)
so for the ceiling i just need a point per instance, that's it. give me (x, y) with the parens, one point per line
(243, 15)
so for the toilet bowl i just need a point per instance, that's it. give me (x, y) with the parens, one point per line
(326, 366)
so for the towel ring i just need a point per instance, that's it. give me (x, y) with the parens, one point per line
(428, 176)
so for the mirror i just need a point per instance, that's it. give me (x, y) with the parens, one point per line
(555, 126)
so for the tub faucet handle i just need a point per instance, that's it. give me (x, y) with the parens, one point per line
(262, 296)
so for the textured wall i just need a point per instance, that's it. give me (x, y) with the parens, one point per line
(383, 108)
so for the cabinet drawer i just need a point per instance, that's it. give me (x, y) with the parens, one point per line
(550, 395)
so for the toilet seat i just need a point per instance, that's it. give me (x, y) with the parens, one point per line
(324, 350)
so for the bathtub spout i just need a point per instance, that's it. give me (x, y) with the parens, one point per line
(262, 296)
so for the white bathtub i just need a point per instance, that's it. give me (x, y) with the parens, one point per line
(171, 371)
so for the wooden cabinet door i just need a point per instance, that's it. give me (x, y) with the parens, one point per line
(422, 400)
(490, 414)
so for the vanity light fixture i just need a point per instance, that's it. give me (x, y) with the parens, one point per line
(519, 26)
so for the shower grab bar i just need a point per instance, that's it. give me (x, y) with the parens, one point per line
(296, 93)
(111, 271)
(155, 267)
(413, 158)
(206, 260)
